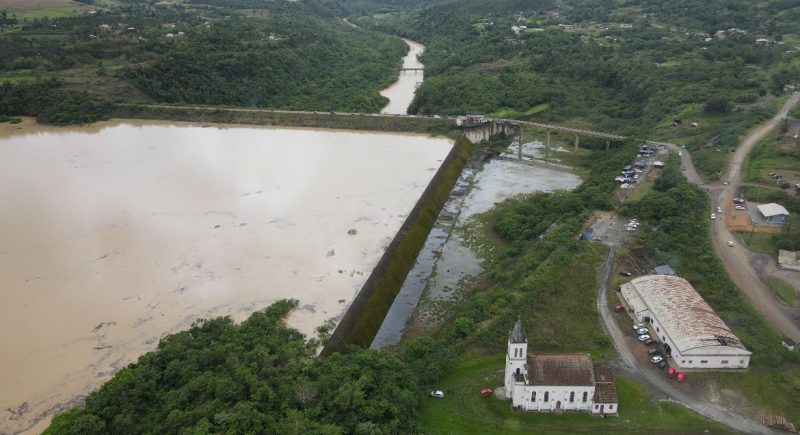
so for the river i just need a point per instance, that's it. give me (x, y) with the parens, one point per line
(401, 92)
(117, 234)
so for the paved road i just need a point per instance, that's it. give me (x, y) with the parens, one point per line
(736, 259)
(655, 379)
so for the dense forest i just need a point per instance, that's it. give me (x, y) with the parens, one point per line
(287, 55)
(626, 66)
(258, 377)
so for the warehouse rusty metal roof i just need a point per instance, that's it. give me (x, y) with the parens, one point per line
(686, 318)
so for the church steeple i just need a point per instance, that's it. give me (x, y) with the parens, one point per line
(517, 334)
(516, 357)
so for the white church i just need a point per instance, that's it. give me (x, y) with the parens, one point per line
(556, 382)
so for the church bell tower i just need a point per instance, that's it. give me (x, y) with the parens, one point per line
(516, 357)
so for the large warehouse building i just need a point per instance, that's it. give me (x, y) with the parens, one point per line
(693, 335)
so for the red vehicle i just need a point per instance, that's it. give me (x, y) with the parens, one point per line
(619, 309)
(680, 377)
(486, 392)
(671, 372)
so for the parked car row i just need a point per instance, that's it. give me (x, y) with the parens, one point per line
(739, 204)
(643, 334)
(672, 373)
(633, 225)
(630, 174)
(656, 357)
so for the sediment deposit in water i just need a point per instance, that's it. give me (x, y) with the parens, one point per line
(116, 235)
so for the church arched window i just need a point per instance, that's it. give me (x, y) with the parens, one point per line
(533, 396)
(571, 396)
(585, 395)
(546, 396)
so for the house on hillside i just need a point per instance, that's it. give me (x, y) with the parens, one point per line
(556, 382)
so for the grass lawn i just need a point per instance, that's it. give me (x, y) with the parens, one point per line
(640, 191)
(758, 242)
(778, 391)
(463, 411)
(783, 289)
(772, 154)
(50, 12)
(511, 113)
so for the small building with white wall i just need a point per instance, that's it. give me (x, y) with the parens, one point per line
(693, 335)
(556, 382)
(774, 213)
(788, 260)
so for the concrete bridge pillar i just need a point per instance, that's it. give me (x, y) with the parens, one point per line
(519, 149)
(577, 141)
(547, 144)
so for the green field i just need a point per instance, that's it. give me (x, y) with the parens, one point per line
(511, 113)
(777, 391)
(772, 154)
(464, 411)
(784, 290)
(758, 242)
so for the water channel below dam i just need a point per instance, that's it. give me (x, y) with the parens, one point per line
(446, 260)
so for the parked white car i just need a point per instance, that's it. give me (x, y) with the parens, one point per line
(642, 331)
(439, 394)
(713, 216)
(656, 359)
(644, 337)
(730, 243)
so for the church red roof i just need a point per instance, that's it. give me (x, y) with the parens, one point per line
(560, 370)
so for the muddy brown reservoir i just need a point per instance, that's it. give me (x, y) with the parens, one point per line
(117, 234)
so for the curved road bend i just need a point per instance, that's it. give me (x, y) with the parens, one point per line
(735, 259)
(655, 379)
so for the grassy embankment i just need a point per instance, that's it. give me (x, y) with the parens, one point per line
(783, 289)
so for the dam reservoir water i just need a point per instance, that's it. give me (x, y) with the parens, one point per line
(117, 234)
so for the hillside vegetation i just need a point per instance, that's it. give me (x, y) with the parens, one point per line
(258, 377)
(288, 55)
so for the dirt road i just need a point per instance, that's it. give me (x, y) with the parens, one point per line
(735, 259)
(655, 379)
